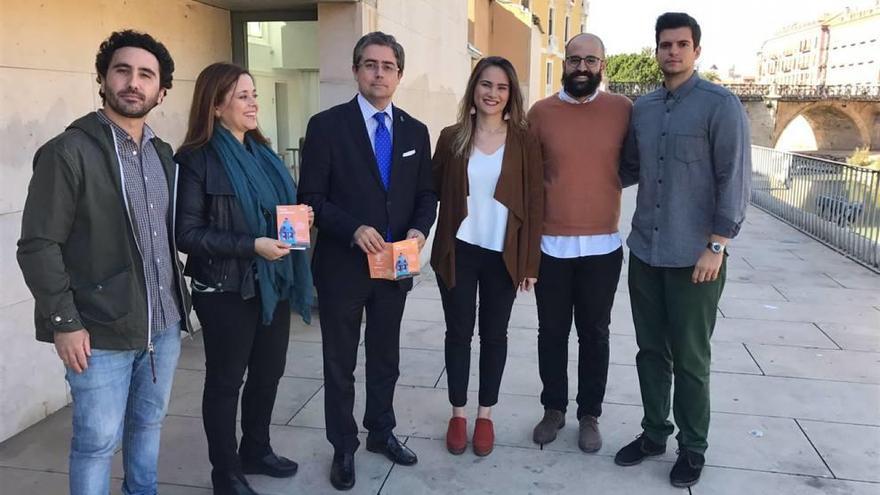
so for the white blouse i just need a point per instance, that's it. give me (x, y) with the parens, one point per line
(486, 221)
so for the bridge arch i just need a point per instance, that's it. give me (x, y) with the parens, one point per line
(835, 125)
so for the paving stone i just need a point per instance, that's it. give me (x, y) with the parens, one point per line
(722, 481)
(806, 312)
(752, 331)
(310, 449)
(43, 447)
(854, 337)
(796, 398)
(851, 451)
(857, 297)
(823, 364)
(513, 470)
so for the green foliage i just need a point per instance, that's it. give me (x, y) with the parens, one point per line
(710, 75)
(633, 67)
(861, 157)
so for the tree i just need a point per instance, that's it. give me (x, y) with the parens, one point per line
(710, 75)
(633, 67)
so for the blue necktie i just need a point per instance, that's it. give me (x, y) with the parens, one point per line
(382, 143)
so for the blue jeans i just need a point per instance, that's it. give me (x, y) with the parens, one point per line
(115, 398)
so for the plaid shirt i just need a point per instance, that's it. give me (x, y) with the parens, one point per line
(146, 188)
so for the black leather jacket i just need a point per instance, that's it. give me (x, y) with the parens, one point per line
(211, 227)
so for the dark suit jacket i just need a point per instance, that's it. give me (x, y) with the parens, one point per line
(340, 179)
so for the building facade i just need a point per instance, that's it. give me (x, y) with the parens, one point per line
(300, 54)
(837, 49)
(531, 34)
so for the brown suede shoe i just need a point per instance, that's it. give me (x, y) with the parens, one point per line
(589, 438)
(456, 436)
(484, 437)
(545, 431)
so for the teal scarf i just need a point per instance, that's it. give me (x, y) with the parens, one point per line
(261, 182)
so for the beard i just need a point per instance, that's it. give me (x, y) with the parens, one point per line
(128, 109)
(579, 89)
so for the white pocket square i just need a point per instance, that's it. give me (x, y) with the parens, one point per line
(409, 153)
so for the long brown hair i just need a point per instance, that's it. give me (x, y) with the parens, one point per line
(513, 111)
(213, 84)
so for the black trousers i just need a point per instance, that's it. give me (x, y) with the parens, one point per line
(476, 267)
(236, 341)
(587, 286)
(341, 310)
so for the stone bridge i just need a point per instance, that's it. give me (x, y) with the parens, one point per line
(841, 117)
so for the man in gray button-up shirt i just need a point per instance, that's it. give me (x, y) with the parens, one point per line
(689, 151)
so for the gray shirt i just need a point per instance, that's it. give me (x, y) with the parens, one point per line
(146, 190)
(689, 150)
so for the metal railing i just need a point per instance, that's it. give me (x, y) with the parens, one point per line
(836, 203)
(754, 92)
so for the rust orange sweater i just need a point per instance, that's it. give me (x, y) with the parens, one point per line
(581, 145)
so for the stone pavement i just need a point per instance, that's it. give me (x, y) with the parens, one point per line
(795, 397)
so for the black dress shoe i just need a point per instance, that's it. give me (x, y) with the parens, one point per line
(230, 483)
(635, 451)
(342, 471)
(397, 452)
(270, 465)
(687, 469)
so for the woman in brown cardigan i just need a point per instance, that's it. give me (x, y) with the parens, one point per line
(488, 175)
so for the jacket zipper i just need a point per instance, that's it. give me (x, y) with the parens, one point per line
(177, 272)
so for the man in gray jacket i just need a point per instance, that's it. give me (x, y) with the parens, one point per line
(97, 252)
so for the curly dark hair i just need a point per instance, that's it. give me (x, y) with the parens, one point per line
(131, 38)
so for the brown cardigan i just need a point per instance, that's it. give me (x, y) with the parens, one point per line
(520, 189)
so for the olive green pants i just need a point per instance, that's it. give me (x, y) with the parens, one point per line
(674, 319)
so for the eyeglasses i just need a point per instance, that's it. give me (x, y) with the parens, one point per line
(575, 61)
(373, 66)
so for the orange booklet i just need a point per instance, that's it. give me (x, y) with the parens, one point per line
(399, 260)
(293, 225)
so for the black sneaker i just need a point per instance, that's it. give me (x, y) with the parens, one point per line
(634, 452)
(687, 469)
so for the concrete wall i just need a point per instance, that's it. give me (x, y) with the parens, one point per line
(47, 53)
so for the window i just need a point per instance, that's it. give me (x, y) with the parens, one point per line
(550, 22)
(548, 80)
(255, 29)
(565, 37)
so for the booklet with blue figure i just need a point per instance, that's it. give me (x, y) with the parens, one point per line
(293, 225)
(399, 260)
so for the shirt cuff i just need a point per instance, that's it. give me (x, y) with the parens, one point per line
(725, 227)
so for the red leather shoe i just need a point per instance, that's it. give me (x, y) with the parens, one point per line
(484, 437)
(456, 436)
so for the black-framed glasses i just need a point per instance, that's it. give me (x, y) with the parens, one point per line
(575, 61)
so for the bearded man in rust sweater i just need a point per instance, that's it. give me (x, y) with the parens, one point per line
(582, 131)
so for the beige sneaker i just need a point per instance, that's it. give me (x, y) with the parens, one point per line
(545, 431)
(589, 438)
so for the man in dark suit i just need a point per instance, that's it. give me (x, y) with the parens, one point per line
(367, 173)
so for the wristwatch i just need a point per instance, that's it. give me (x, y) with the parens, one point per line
(715, 247)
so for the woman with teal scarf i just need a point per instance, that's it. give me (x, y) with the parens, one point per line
(245, 281)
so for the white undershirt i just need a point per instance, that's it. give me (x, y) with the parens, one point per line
(576, 246)
(486, 222)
